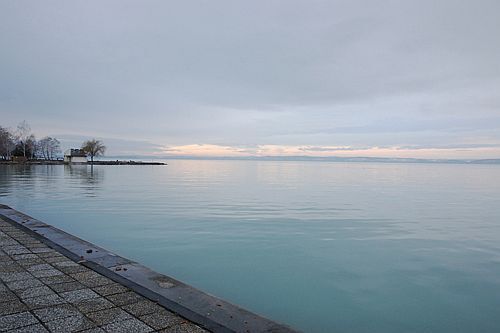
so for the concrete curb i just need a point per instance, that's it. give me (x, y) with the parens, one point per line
(205, 310)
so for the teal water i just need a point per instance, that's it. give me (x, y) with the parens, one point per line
(323, 247)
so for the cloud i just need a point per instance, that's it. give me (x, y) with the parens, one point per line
(293, 73)
(442, 152)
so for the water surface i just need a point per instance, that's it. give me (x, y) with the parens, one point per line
(324, 247)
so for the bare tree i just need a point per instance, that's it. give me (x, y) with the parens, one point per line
(55, 148)
(93, 148)
(32, 146)
(44, 147)
(49, 147)
(24, 136)
(7, 143)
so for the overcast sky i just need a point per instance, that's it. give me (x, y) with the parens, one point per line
(370, 78)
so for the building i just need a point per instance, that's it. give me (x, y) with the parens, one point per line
(75, 156)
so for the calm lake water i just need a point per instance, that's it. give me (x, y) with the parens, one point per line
(323, 247)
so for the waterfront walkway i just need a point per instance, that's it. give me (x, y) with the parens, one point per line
(42, 290)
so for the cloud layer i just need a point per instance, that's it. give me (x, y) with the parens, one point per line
(232, 76)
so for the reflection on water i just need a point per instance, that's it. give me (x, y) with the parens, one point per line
(31, 179)
(89, 177)
(322, 246)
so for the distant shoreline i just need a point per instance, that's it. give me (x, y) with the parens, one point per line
(354, 159)
(59, 162)
(136, 160)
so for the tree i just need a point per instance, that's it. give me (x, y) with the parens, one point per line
(32, 146)
(49, 147)
(23, 136)
(93, 148)
(7, 143)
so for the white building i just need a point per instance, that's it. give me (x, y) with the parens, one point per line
(75, 156)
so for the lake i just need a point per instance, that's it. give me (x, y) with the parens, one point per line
(321, 246)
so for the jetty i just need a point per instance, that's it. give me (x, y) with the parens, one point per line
(61, 162)
(52, 281)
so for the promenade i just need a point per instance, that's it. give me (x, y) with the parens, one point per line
(42, 290)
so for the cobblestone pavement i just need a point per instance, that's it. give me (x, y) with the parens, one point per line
(43, 291)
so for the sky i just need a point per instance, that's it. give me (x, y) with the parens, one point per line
(402, 78)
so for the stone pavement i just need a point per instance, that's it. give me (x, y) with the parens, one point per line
(43, 291)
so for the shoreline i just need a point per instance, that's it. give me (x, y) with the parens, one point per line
(59, 162)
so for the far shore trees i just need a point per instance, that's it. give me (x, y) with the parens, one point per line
(7, 143)
(93, 148)
(25, 138)
(22, 143)
(49, 147)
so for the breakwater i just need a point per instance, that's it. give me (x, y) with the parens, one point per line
(60, 162)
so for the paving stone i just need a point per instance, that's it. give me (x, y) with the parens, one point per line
(12, 250)
(43, 301)
(29, 241)
(14, 246)
(24, 284)
(34, 292)
(11, 267)
(108, 316)
(47, 273)
(8, 277)
(91, 279)
(56, 312)
(14, 232)
(5, 258)
(39, 267)
(142, 308)
(131, 325)
(79, 295)
(5, 242)
(73, 269)
(66, 263)
(6, 262)
(54, 259)
(10, 307)
(49, 254)
(30, 262)
(51, 280)
(186, 327)
(68, 286)
(43, 250)
(160, 320)
(38, 328)
(70, 324)
(94, 330)
(4, 265)
(110, 289)
(94, 304)
(17, 320)
(125, 298)
(33, 246)
(7, 296)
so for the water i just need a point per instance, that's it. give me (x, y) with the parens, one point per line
(324, 247)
